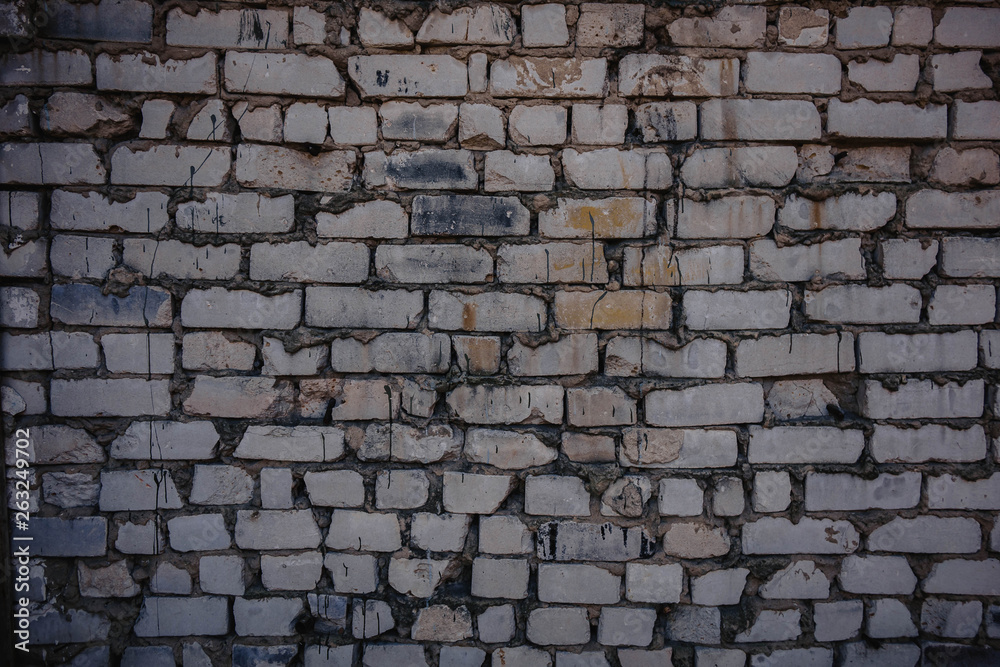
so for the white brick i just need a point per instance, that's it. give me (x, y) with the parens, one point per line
(951, 72)
(886, 120)
(964, 257)
(910, 259)
(543, 25)
(864, 27)
(953, 210)
(775, 72)
(976, 120)
(927, 534)
(726, 310)
(741, 403)
(229, 28)
(898, 75)
(145, 72)
(805, 444)
(954, 492)
(353, 126)
(735, 26)
(534, 77)
(282, 74)
(847, 212)
(760, 120)
(795, 354)
(921, 399)
(917, 353)
(810, 536)
(825, 492)
(412, 76)
(741, 166)
(677, 448)
(968, 26)
(538, 125)
(731, 217)
(962, 304)
(860, 304)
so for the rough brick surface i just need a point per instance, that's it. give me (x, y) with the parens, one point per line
(465, 333)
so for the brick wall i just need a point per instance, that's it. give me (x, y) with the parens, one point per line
(524, 335)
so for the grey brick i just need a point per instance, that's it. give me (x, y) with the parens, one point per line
(653, 75)
(181, 260)
(260, 166)
(411, 76)
(558, 625)
(436, 264)
(182, 617)
(374, 219)
(211, 350)
(276, 529)
(569, 540)
(245, 212)
(110, 398)
(26, 261)
(51, 164)
(354, 307)
(364, 531)
(145, 72)
(500, 578)
(46, 68)
(166, 440)
(531, 77)
(577, 584)
(240, 309)
(63, 537)
(90, 211)
(134, 490)
(488, 311)
(887, 120)
(427, 169)
(409, 121)
(229, 28)
(108, 21)
(82, 256)
(811, 73)
(282, 74)
(139, 353)
(170, 165)
(238, 397)
(760, 120)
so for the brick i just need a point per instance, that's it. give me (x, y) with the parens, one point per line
(31, 352)
(182, 617)
(511, 404)
(505, 535)
(609, 25)
(725, 309)
(82, 256)
(621, 626)
(574, 354)
(409, 121)
(181, 260)
(282, 74)
(481, 126)
(976, 166)
(886, 120)
(51, 164)
(188, 166)
(963, 257)
(588, 448)
(695, 540)
(139, 353)
(543, 25)
(558, 625)
(468, 215)
(919, 399)
(740, 167)
(735, 27)
(799, 580)
(962, 304)
(436, 264)
(627, 496)
(500, 578)
(825, 492)
(305, 361)
(975, 120)
(666, 265)
(370, 619)
(953, 492)
(300, 262)
(677, 448)
(667, 121)
(486, 24)
(680, 497)
(271, 616)
(211, 350)
(121, 21)
(548, 77)
(393, 353)
(375, 30)
(20, 209)
(912, 26)
(613, 217)
(698, 625)
(506, 171)
(411, 76)
(654, 583)
(817, 74)
(279, 167)
(555, 495)
(613, 169)
(166, 440)
(927, 534)
(917, 353)
(625, 309)
(68, 537)
(445, 532)
(599, 406)
(81, 114)
(795, 354)
(898, 75)
(84, 304)
(468, 493)
(109, 398)
(552, 263)
(860, 304)
(795, 263)
(353, 126)
(653, 75)
(908, 258)
(599, 125)
(935, 209)
(373, 219)
(145, 72)
(276, 529)
(478, 63)
(864, 27)
(801, 26)
(305, 123)
(488, 311)
(229, 29)
(26, 261)
(741, 403)
(952, 72)
(719, 587)
(963, 577)
(238, 397)
(725, 217)
(931, 442)
(701, 358)
(577, 584)
(837, 621)
(133, 490)
(772, 535)
(220, 485)
(889, 618)
(335, 488)
(218, 307)
(46, 68)
(308, 26)
(541, 125)
(442, 623)
(237, 213)
(968, 26)
(947, 618)
(760, 120)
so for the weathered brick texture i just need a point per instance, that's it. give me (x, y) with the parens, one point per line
(560, 334)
